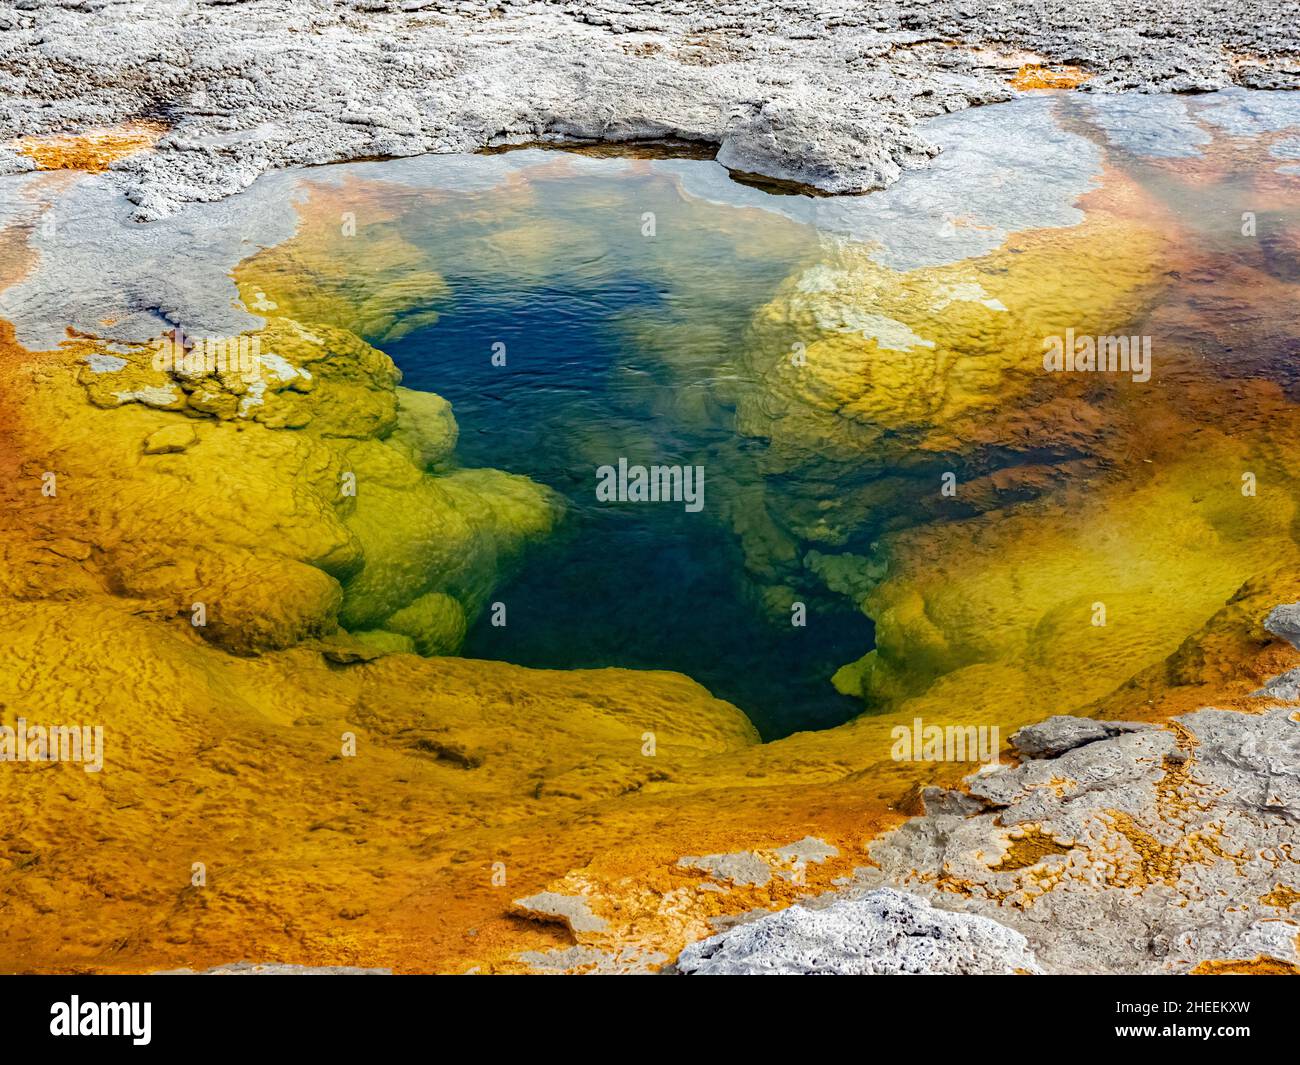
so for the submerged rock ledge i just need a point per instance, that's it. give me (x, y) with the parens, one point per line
(793, 91)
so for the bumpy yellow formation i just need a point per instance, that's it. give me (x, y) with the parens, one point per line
(310, 490)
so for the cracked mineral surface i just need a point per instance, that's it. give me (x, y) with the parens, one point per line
(827, 95)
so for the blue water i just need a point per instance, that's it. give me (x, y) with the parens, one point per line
(639, 585)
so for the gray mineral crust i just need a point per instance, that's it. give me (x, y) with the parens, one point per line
(1148, 851)
(828, 95)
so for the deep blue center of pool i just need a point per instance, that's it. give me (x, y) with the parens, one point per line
(636, 585)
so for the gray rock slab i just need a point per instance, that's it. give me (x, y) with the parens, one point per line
(1137, 852)
(1062, 733)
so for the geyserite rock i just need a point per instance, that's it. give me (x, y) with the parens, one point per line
(830, 99)
(884, 932)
